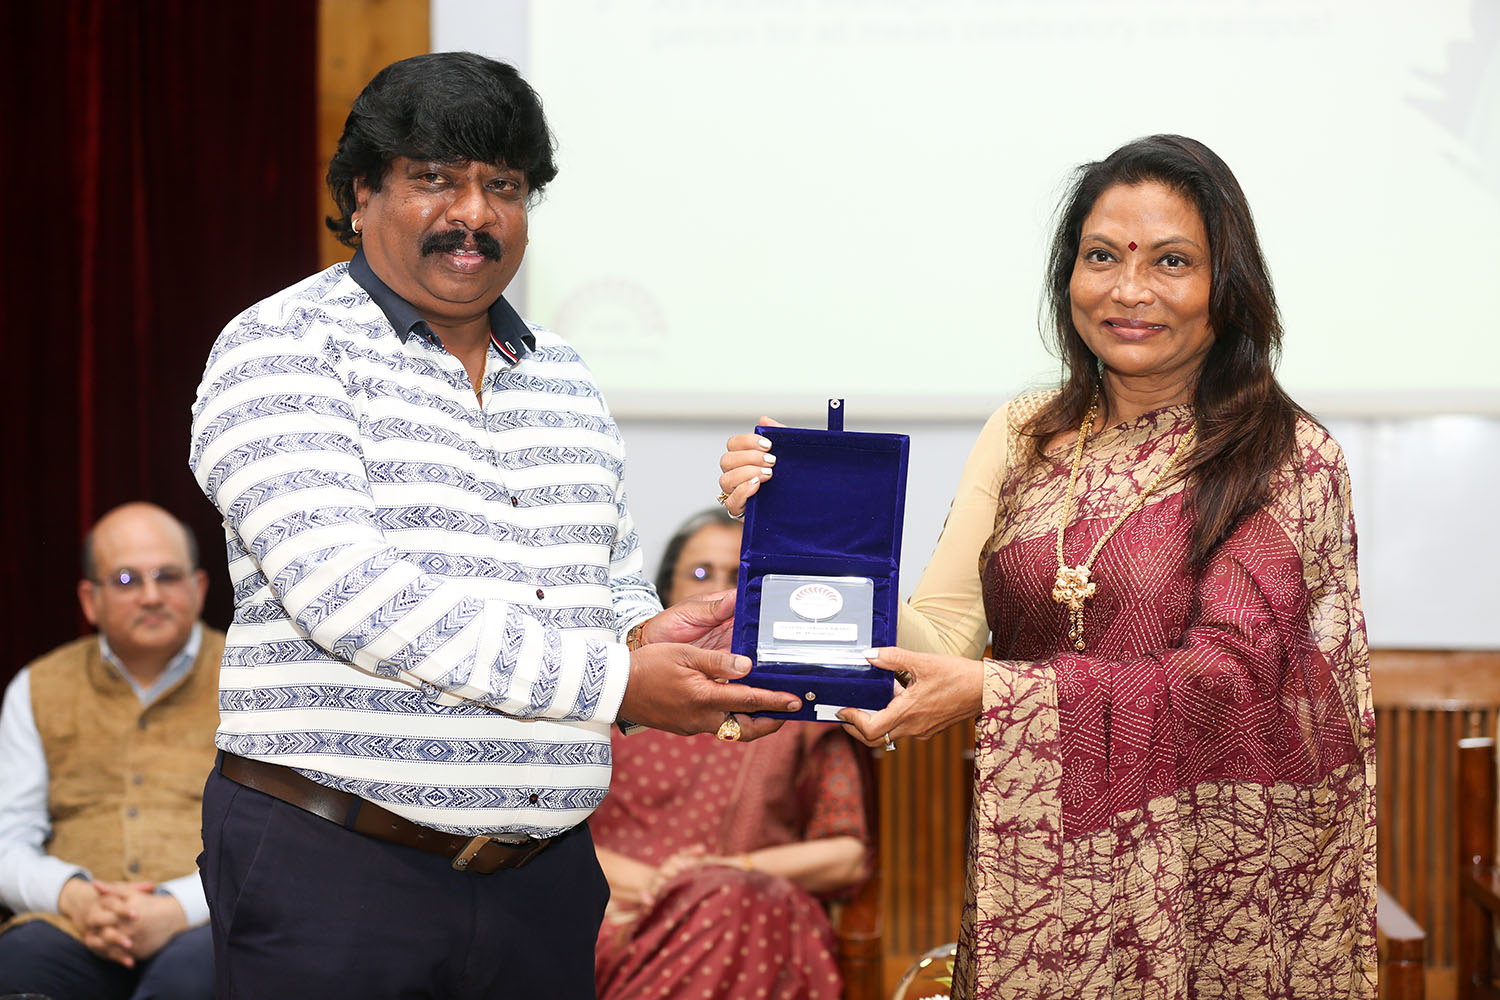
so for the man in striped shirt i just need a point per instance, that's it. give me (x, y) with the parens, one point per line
(440, 607)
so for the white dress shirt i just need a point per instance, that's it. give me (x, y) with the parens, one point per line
(431, 589)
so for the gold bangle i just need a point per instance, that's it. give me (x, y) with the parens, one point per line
(746, 863)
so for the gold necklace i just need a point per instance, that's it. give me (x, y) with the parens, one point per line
(1073, 585)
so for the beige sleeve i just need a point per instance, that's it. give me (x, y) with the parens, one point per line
(945, 614)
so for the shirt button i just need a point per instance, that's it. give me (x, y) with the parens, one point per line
(539, 594)
(139, 779)
(141, 722)
(132, 812)
(514, 502)
(134, 867)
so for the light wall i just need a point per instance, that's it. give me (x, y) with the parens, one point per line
(1383, 312)
(867, 188)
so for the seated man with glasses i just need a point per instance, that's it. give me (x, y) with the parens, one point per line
(105, 743)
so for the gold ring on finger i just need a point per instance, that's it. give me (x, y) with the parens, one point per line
(729, 729)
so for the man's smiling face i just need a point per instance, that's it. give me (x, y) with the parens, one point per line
(446, 237)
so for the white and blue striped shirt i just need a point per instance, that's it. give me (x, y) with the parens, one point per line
(430, 591)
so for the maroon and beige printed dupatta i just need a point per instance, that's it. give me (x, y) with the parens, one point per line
(1186, 808)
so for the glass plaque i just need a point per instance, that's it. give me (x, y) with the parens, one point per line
(822, 620)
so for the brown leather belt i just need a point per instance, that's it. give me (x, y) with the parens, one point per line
(475, 854)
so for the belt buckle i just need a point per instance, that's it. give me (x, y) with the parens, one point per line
(523, 850)
(466, 853)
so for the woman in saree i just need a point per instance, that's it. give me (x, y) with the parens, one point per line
(1175, 739)
(718, 853)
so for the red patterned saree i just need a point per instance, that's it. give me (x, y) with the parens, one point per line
(721, 932)
(1186, 807)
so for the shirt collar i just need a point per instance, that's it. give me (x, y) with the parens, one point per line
(177, 667)
(508, 331)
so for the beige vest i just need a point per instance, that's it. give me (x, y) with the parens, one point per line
(125, 783)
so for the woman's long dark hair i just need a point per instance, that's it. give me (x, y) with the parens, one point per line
(1246, 421)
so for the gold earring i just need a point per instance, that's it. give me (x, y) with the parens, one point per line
(354, 225)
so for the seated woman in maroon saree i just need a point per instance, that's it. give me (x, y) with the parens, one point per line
(717, 853)
(1175, 767)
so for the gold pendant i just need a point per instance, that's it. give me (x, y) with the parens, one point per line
(1072, 588)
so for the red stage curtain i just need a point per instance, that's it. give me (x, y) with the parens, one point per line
(159, 176)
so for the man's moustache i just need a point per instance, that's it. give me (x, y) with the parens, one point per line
(457, 239)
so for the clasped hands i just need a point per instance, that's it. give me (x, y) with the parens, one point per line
(687, 860)
(123, 922)
(637, 885)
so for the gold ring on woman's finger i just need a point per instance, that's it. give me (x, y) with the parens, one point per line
(729, 729)
(723, 500)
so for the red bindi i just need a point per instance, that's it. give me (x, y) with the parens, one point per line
(1132, 244)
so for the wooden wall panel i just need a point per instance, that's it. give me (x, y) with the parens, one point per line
(925, 792)
(356, 39)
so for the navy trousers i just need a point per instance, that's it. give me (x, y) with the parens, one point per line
(301, 907)
(38, 958)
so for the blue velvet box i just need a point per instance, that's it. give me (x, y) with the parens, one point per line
(834, 507)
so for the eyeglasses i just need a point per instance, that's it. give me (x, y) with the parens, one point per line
(702, 571)
(130, 581)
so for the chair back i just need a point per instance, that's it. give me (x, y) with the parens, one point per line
(1425, 702)
(1478, 899)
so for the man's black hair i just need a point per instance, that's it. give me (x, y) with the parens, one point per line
(447, 107)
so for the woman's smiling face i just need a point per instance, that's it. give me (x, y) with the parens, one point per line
(1141, 284)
